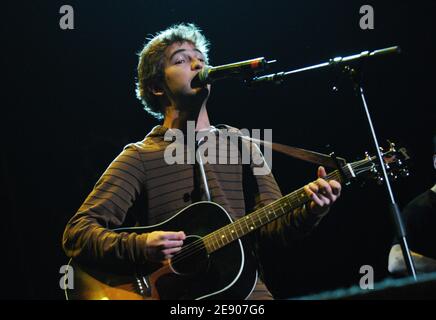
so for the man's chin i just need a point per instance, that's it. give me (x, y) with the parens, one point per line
(195, 96)
(200, 93)
(197, 87)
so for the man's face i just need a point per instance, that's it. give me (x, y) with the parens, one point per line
(182, 62)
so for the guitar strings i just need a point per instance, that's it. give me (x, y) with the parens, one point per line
(198, 245)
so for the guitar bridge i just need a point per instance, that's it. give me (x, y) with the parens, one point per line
(143, 286)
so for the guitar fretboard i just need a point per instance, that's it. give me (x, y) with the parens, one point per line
(264, 215)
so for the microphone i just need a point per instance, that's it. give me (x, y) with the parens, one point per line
(245, 68)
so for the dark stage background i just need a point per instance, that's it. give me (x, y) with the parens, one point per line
(68, 108)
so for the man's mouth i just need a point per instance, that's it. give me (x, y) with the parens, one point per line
(196, 83)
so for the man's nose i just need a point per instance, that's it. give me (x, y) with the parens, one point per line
(197, 64)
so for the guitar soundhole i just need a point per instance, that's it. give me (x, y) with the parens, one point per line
(193, 257)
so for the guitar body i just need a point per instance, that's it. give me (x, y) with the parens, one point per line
(227, 273)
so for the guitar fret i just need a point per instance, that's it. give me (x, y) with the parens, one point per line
(223, 238)
(228, 236)
(262, 215)
(216, 242)
(272, 212)
(236, 230)
(245, 219)
(240, 228)
(260, 219)
(288, 202)
(232, 233)
(251, 225)
(266, 215)
(210, 244)
(255, 221)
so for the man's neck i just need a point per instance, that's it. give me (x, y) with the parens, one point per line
(177, 119)
(202, 120)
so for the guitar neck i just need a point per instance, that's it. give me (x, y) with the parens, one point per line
(264, 215)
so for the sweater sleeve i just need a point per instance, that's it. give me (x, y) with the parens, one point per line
(87, 235)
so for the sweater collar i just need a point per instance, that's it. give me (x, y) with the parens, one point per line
(160, 130)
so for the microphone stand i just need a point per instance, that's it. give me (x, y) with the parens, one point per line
(279, 77)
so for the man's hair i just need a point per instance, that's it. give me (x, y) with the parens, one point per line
(151, 59)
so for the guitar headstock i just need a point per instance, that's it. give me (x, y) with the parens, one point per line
(394, 163)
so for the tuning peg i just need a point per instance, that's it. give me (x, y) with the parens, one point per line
(403, 151)
(404, 173)
(391, 145)
(380, 180)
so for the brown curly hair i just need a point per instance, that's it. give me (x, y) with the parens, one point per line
(150, 66)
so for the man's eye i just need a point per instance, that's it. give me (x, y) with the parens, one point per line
(179, 61)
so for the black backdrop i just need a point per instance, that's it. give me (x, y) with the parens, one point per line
(68, 108)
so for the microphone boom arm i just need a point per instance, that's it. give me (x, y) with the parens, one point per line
(279, 77)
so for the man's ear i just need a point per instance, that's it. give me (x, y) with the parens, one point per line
(156, 89)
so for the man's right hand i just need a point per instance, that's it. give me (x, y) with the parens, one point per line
(162, 245)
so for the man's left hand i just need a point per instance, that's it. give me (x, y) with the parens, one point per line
(322, 193)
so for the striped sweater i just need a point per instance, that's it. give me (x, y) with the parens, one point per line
(140, 174)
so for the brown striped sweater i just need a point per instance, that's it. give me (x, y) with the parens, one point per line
(140, 173)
